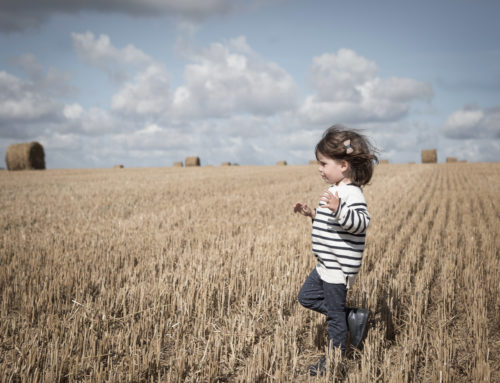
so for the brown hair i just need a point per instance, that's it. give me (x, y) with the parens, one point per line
(361, 158)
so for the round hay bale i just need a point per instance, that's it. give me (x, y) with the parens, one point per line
(281, 163)
(451, 159)
(25, 156)
(118, 167)
(225, 164)
(192, 161)
(178, 164)
(429, 156)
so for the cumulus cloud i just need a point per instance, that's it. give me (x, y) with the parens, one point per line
(148, 95)
(221, 80)
(100, 53)
(337, 76)
(53, 83)
(91, 122)
(145, 84)
(153, 137)
(20, 15)
(33, 98)
(470, 149)
(232, 78)
(231, 101)
(346, 88)
(243, 139)
(33, 107)
(23, 104)
(472, 122)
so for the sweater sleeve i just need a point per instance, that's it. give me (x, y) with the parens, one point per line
(352, 214)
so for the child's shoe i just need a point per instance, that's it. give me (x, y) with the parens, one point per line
(357, 320)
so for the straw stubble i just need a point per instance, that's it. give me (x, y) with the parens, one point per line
(104, 279)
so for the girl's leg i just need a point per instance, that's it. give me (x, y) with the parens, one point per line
(335, 297)
(311, 294)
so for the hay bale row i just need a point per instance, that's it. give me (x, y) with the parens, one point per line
(281, 163)
(178, 164)
(118, 166)
(192, 161)
(451, 159)
(429, 156)
(225, 164)
(25, 156)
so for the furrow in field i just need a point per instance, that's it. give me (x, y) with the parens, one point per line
(404, 303)
(191, 275)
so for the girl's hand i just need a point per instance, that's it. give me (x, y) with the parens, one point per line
(331, 201)
(303, 209)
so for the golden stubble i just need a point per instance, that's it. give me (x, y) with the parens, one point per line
(191, 275)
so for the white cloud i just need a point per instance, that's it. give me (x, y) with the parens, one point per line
(231, 78)
(148, 95)
(471, 150)
(98, 121)
(53, 82)
(73, 111)
(238, 139)
(91, 122)
(348, 90)
(242, 95)
(99, 52)
(30, 105)
(22, 101)
(62, 141)
(473, 122)
(234, 105)
(154, 137)
(336, 77)
(28, 110)
(220, 81)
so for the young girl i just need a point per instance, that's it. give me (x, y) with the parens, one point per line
(339, 224)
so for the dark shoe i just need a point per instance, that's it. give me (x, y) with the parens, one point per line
(357, 320)
(319, 368)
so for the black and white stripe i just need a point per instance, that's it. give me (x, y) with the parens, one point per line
(338, 238)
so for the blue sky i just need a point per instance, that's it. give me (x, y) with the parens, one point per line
(147, 83)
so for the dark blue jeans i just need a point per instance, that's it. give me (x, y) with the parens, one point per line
(328, 299)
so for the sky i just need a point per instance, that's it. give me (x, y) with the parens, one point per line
(146, 83)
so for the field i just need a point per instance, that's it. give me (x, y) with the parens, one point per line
(192, 275)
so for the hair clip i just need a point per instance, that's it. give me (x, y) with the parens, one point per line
(348, 147)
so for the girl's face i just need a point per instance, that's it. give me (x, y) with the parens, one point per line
(332, 171)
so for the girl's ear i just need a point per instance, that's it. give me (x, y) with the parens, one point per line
(344, 166)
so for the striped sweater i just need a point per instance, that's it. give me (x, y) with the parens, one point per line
(338, 238)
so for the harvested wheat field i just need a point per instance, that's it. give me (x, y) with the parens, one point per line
(191, 275)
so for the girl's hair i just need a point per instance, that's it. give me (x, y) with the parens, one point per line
(340, 143)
